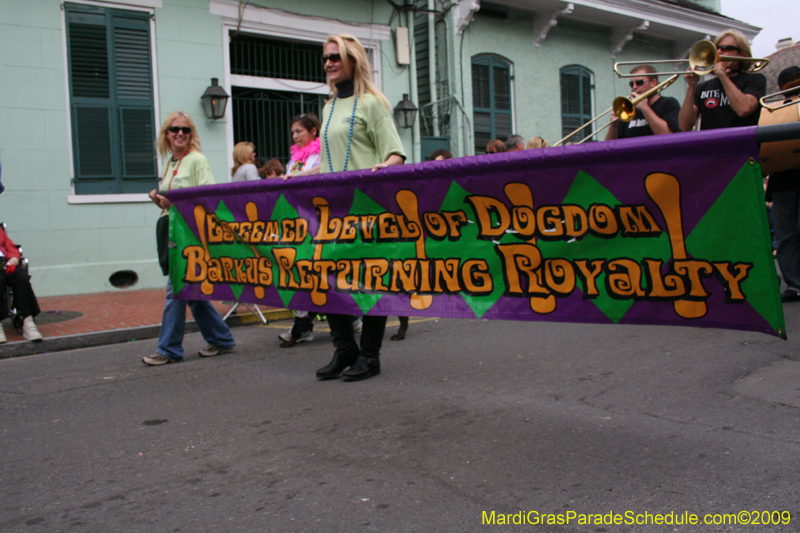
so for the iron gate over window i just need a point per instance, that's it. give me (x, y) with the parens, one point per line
(262, 116)
(276, 58)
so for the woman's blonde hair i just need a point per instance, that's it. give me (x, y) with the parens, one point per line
(352, 50)
(163, 144)
(241, 155)
(741, 43)
(536, 142)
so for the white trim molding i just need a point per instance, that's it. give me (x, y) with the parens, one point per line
(109, 198)
(292, 25)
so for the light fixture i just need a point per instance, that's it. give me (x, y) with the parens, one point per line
(214, 100)
(405, 112)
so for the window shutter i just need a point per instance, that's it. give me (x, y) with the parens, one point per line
(111, 93)
(491, 100)
(93, 141)
(135, 95)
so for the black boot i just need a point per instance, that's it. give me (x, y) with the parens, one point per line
(337, 365)
(364, 367)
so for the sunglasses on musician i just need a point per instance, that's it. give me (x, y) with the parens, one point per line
(636, 83)
(333, 58)
(728, 48)
(185, 130)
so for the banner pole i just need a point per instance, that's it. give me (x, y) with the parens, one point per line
(778, 132)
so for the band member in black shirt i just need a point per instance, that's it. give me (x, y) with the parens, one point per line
(731, 99)
(655, 115)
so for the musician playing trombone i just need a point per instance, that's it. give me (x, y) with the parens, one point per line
(655, 115)
(731, 99)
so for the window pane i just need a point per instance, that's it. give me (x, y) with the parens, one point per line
(570, 97)
(502, 125)
(139, 157)
(483, 131)
(275, 58)
(502, 89)
(480, 86)
(133, 64)
(93, 148)
(88, 60)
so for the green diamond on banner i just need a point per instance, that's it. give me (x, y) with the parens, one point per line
(725, 233)
(284, 210)
(237, 251)
(585, 191)
(179, 232)
(479, 249)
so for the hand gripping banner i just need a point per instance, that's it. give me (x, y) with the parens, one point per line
(657, 230)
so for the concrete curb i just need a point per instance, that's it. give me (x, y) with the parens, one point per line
(118, 336)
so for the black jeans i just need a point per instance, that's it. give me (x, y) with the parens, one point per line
(24, 300)
(371, 334)
(302, 324)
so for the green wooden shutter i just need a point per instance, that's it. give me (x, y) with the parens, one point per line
(491, 100)
(134, 89)
(111, 95)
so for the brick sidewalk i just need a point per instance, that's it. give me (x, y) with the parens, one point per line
(113, 311)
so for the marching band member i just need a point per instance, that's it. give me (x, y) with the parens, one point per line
(731, 99)
(656, 115)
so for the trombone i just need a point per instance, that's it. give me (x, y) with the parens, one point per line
(624, 107)
(702, 60)
(773, 107)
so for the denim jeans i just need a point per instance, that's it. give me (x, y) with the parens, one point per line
(344, 336)
(786, 213)
(173, 325)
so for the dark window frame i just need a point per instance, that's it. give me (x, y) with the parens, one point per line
(576, 109)
(497, 93)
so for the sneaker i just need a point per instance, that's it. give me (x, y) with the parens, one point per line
(157, 359)
(212, 350)
(308, 336)
(3, 339)
(286, 336)
(790, 295)
(29, 330)
(357, 324)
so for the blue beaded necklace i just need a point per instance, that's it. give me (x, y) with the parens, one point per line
(349, 138)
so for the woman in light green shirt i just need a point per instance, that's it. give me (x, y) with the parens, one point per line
(358, 132)
(187, 167)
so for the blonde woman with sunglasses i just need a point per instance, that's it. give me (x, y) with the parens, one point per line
(187, 167)
(358, 132)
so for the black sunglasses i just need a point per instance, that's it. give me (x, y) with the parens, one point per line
(334, 58)
(636, 83)
(176, 129)
(728, 48)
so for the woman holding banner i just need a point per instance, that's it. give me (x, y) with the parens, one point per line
(358, 132)
(187, 167)
(305, 154)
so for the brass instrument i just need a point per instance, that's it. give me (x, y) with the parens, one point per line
(624, 107)
(785, 95)
(702, 59)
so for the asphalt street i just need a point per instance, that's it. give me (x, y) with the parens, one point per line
(467, 418)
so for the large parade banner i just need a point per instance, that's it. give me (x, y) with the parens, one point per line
(658, 230)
